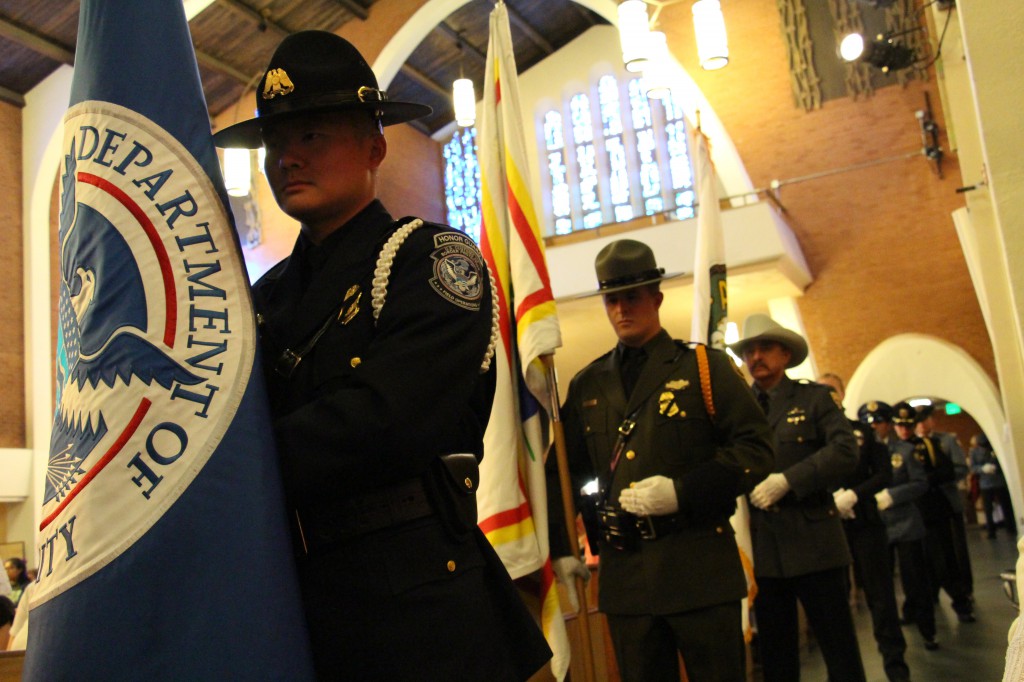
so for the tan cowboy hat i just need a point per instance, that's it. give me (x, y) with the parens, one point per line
(759, 327)
(626, 264)
(316, 71)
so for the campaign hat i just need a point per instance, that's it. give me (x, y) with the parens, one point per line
(760, 327)
(314, 71)
(626, 264)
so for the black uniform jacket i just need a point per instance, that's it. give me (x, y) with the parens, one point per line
(873, 474)
(710, 462)
(373, 404)
(940, 471)
(815, 449)
(909, 482)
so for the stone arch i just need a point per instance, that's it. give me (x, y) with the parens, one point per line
(919, 364)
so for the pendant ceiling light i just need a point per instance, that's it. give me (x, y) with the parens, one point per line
(634, 30)
(464, 99)
(712, 41)
(658, 71)
(237, 172)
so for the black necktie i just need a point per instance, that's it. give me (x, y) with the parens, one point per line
(763, 400)
(632, 363)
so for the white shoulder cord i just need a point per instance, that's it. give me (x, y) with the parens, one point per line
(382, 273)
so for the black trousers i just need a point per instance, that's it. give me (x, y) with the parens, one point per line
(945, 566)
(918, 605)
(647, 648)
(870, 548)
(824, 597)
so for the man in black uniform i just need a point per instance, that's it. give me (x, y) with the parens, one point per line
(866, 535)
(672, 450)
(800, 551)
(938, 514)
(376, 336)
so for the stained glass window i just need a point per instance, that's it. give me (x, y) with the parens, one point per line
(680, 168)
(462, 182)
(586, 160)
(611, 127)
(554, 145)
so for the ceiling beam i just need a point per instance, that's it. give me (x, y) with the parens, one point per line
(262, 20)
(38, 44)
(466, 45)
(215, 64)
(426, 81)
(354, 8)
(530, 31)
(11, 97)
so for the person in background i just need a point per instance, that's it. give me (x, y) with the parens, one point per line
(992, 485)
(869, 544)
(800, 551)
(377, 336)
(952, 490)
(937, 513)
(903, 522)
(670, 466)
(18, 577)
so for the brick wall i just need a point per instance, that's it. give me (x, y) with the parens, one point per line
(12, 309)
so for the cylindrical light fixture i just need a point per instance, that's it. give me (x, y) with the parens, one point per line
(712, 41)
(851, 47)
(237, 172)
(633, 31)
(464, 99)
(658, 71)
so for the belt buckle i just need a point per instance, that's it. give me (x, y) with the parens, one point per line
(626, 427)
(287, 362)
(645, 524)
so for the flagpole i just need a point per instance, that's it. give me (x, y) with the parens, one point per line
(569, 510)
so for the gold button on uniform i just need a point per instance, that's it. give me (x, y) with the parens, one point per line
(451, 566)
(630, 454)
(355, 362)
(799, 439)
(719, 530)
(469, 483)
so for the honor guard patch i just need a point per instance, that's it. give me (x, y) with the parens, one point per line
(458, 270)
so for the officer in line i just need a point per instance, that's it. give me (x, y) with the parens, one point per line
(869, 544)
(904, 525)
(992, 484)
(672, 450)
(800, 551)
(951, 489)
(376, 363)
(937, 513)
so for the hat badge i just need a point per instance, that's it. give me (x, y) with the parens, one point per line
(277, 83)
(872, 406)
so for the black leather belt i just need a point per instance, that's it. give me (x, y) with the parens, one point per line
(322, 525)
(654, 527)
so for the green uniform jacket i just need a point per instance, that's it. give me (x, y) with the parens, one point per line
(816, 451)
(711, 464)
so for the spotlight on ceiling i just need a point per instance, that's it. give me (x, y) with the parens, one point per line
(881, 53)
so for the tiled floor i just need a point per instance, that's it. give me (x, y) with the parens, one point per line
(968, 652)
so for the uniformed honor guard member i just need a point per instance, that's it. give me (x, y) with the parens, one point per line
(376, 334)
(869, 544)
(938, 514)
(671, 463)
(903, 522)
(800, 550)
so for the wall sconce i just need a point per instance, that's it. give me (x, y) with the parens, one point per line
(712, 40)
(464, 100)
(658, 70)
(237, 172)
(634, 30)
(881, 53)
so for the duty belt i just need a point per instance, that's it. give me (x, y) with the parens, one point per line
(325, 525)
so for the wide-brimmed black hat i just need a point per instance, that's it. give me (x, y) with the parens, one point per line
(626, 264)
(316, 71)
(761, 327)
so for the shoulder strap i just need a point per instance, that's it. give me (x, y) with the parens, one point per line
(704, 371)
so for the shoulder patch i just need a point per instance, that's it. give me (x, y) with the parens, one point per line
(459, 270)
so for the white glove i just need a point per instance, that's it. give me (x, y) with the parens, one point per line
(989, 468)
(567, 569)
(769, 491)
(845, 499)
(654, 496)
(883, 499)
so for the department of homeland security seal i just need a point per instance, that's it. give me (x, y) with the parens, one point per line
(458, 268)
(155, 345)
